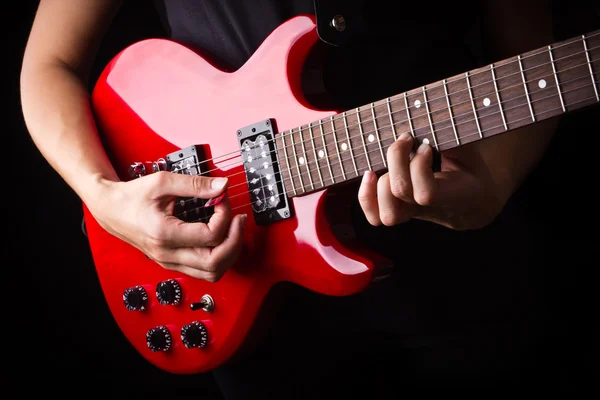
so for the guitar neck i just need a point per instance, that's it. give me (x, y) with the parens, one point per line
(456, 111)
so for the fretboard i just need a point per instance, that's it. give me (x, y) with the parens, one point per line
(461, 109)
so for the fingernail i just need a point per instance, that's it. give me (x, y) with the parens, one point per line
(405, 136)
(422, 148)
(214, 201)
(366, 176)
(218, 183)
(243, 219)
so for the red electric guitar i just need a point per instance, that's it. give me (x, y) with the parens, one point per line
(161, 106)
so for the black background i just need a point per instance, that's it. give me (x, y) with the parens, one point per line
(59, 333)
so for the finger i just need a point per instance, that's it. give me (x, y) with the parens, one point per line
(204, 187)
(193, 272)
(226, 253)
(398, 157)
(213, 262)
(178, 233)
(367, 198)
(392, 211)
(423, 179)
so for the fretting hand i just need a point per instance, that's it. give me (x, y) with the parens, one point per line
(461, 196)
(140, 212)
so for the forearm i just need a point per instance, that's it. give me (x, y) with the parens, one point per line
(58, 116)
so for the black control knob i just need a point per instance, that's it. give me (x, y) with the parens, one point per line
(159, 339)
(135, 298)
(194, 335)
(168, 292)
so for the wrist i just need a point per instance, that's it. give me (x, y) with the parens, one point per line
(98, 190)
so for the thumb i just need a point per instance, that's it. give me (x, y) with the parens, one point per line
(168, 183)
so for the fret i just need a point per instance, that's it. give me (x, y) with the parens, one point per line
(572, 71)
(429, 118)
(498, 97)
(562, 103)
(420, 117)
(525, 85)
(296, 160)
(412, 130)
(362, 138)
(462, 110)
(542, 84)
(589, 62)
(451, 116)
(512, 92)
(317, 163)
(377, 133)
(349, 143)
(389, 108)
(305, 158)
(473, 104)
(489, 112)
(439, 116)
(326, 153)
(287, 161)
(337, 148)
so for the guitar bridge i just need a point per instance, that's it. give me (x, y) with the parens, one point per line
(261, 165)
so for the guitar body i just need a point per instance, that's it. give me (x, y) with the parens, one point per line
(157, 97)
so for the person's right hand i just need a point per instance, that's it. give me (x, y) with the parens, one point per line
(141, 212)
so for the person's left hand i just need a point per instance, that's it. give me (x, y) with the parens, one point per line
(461, 196)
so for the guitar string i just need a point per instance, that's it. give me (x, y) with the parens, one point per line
(335, 162)
(203, 219)
(380, 127)
(365, 154)
(382, 163)
(338, 117)
(403, 111)
(328, 157)
(207, 218)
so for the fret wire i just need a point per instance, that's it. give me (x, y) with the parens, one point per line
(306, 159)
(521, 105)
(349, 143)
(377, 133)
(287, 159)
(325, 151)
(473, 105)
(498, 126)
(498, 96)
(498, 91)
(500, 110)
(296, 160)
(391, 119)
(556, 79)
(429, 117)
(337, 148)
(587, 56)
(525, 86)
(451, 113)
(362, 138)
(317, 163)
(412, 131)
(491, 128)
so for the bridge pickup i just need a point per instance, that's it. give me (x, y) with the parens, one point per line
(190, 161)
(261, 165)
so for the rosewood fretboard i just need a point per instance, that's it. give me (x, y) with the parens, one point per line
(461, 109)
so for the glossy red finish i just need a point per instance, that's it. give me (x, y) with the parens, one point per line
(158, 96)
